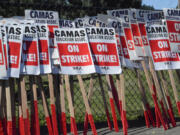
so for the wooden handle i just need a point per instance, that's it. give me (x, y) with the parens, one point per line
(122, 92)
(68, 92)
(88, 110)
(8, 101)
(46, 112)
(91, 90)
(23, 97)
(62, 95)
(173, 85)
(51, 89)
(149, 81)
(109, 86)
(118, 87)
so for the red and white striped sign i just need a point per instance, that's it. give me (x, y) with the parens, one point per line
(30, 51)
(172, 17)
(162, 56)
(14, 38)
(74, 51)
(104, 49)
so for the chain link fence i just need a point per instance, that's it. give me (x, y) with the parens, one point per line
(132, 93)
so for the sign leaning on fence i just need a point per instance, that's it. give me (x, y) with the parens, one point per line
(74, 51)
(51, 18)
(172, 17)
(3, 70)
(30, 51)
(44, 54)
(14, 37)
(104, 50)
(162, 56)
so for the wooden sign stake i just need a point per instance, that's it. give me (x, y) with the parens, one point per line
(88, 110)
(123, 112)
(9, 109)
(46, 112)
(35, 105)
(62, 105)
(105, 102)
(71, 108)
(112, 104)
(150, 85)
(144, 101)
(52, 103)
(168, 101)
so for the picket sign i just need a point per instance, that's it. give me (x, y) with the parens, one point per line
(122, 44)
(74, 51)
(44, 52)
(124, 15)
(51, 18)
(3, 61)
(30, 51)
(162, 56)
(141, 23)
(136, 33)
(14, 39)
(62, 105)
(5, 45)
(172, 17)
(75, 58)
(104, 50)
(71, 108)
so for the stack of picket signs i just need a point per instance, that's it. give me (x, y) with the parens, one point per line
(41, 44)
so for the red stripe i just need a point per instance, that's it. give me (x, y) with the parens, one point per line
(48, 122)
(150, 115)
(21, 126)
(171, 116)
(165, 114)
(169, 102)
(14, 125)
(74, 127)
(158, 111)
(108, 119)
(146, 119)
(124, 122)
(4, 123)
(36, 117)
(85, 124)
(115, 94)
(158, 124)
(178, 106)
(9, 128)
(1, 128)
(28, 123)
(54, 120)
(114, 115)
(63, 118)
(93, 127)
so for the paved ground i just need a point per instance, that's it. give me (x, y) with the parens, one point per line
(140, 131)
